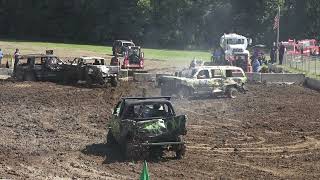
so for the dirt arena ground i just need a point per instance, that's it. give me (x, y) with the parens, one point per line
(54, 131)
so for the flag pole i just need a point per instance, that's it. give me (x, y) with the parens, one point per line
(278, 35)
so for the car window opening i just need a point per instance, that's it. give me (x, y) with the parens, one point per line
(146, 111)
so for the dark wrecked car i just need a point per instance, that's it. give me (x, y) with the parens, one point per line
(146, 127)
(39, 67)
(92, 70)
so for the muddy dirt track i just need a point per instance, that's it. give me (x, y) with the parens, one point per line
(54, 131)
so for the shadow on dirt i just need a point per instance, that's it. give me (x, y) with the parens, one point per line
(111, 153)
(114, 154)
(69, 84)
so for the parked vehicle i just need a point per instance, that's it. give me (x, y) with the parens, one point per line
(235, 49)
(133, 59)
(291, 47)
(121, 46)
(145, 127)
(205, 81)
(306, 47)
(309, 47)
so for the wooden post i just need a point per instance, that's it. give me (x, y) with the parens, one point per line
(278, 37)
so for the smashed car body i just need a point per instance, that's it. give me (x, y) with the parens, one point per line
(39, 67)
(146, 127)
(92, 70)
(205, 81)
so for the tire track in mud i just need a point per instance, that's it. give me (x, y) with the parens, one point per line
(252, 139)
(297, 146)
(262, 134)
(308, 144)
(274, 171)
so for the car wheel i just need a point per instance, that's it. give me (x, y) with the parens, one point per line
(232, 93)
(89, 81)
(29, 77)
(164, 90)
(130, 151)
(110, 138)
(19, 77)
(184, 92)
(114, 82)
(156, 153)
(181, 149)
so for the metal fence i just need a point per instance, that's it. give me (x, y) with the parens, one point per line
(305, 63)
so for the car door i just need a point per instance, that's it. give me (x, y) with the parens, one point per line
(202, 85)
(216, 80)
(42, 68)
(116, 120)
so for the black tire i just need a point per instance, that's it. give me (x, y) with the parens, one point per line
(164, 90)
(19, 76)
(181, 149)
(156, 153)
(89, 81)
(184, 92)
(29, 77)
(232, 92)
(114, 82)
(110, 138)
(66, 79)
(130, 152)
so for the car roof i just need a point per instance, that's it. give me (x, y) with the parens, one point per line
(137, 100)
(218, 67)
(36, 55)
(90, 57)
(147, 101)
(125, 41)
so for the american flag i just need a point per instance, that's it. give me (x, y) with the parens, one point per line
(276, 22)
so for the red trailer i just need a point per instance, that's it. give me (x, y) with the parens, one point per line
(308, 47)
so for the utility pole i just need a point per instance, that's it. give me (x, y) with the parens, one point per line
(278, 35)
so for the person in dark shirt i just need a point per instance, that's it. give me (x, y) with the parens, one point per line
(16, 60)
(273, 53)
(115, 61)
(281, 53)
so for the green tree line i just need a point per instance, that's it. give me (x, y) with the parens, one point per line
(189, 24)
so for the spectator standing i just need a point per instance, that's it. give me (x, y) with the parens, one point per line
(281, 53)
(218, 54)
(1, 56)
(273, 53)
(256, 65)
(16, 60)
(115, 61)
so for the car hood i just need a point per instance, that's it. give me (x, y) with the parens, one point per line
(102, 68)
(237, 46)
(157, 127)
(154, 126)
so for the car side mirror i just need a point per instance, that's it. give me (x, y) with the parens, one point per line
(114, 111)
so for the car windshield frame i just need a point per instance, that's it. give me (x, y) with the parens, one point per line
(232, 41)
(140, 110)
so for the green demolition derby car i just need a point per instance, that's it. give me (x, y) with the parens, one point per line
(146, 127)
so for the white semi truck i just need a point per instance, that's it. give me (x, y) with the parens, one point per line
(235, 50)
